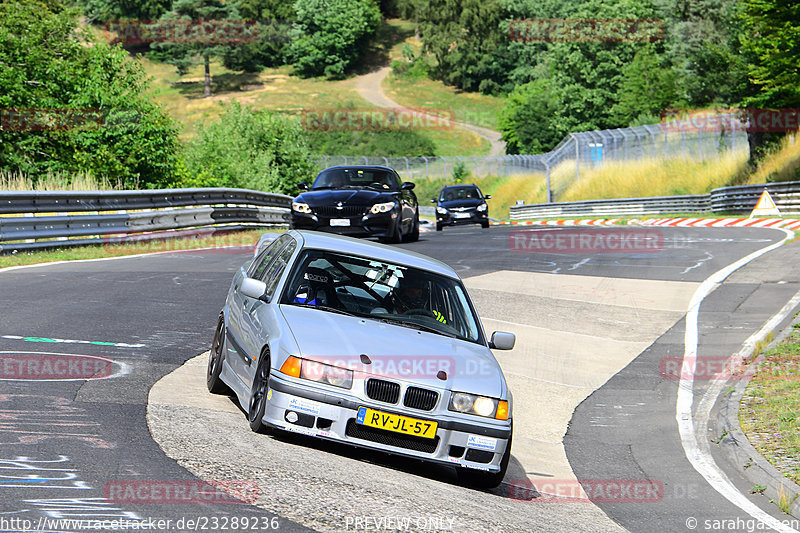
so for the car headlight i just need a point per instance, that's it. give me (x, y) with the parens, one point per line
(483, 207)
(382, 208)
(300, 207)
(319, 372)
(472, 404)
(441, 210)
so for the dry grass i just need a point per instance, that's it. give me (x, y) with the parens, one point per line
(80, 181)
(655, 177)
(783, 164)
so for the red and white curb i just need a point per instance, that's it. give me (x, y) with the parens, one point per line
(787, 223)
(565, 222)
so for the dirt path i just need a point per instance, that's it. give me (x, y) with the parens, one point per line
(370, 88)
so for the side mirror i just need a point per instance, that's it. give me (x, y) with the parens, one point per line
(502, 340)
(407, 186)
(487, 197)
(303, 186)
(433, 200)
(253, 288)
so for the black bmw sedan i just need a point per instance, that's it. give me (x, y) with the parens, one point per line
(359, 201)
(461, 204)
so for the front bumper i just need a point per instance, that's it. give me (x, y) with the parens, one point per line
(380, 225)
(320, 414)
(464, 217)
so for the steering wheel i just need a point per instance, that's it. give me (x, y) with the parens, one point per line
(419, 311)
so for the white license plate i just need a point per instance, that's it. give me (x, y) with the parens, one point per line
(340, 222)
(462, 215)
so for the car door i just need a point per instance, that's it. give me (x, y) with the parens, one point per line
(238, 358)
(258, 319)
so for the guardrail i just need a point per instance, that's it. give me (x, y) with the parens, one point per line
(48, 219)
(735, 200)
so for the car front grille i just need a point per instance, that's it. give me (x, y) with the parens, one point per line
(344, 212)
(423, 399)
(383, 391)
(389, 438)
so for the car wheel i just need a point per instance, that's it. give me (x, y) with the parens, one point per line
(413, 236)
(395, 237)
(258, 394)
(485, 225)
(485, 480)
(213, 382)
(438, 226)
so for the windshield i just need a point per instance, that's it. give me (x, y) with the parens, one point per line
(381, 291)
(460, 193)
(375, 178)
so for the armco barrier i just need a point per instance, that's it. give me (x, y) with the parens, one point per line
(734, 200)
(113, 215)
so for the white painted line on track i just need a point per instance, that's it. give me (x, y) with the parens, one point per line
(698, 455)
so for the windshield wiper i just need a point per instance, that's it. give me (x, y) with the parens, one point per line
(414, 325)
(327, 308)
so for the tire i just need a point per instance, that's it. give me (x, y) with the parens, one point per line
(396, 237)
(413, 236)
(485, 480)
(438, 226)
(484, 225)
(215, 358)
(258, 394)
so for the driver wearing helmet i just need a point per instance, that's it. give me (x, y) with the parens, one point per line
(413, 293)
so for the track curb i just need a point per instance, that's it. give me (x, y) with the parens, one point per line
(788, 223)
(736, 448)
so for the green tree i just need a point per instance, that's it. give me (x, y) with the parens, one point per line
(270, 49)
(106, 10)
(772, 36)
(701, 41)
(183, 55)
(330, 36)
(647, 88)
(463, 36)
(531, 119)
(53, 69)
(249, 149)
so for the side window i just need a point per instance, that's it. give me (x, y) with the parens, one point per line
(394, 181)
(275, 270)
(260, 263)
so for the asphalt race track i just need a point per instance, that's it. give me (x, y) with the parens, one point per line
(593, 332)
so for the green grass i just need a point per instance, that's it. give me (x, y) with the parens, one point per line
(240, 238)
(472, 108)
(274, 89)
(769, 411)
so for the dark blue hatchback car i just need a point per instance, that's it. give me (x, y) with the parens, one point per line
(461, 204)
